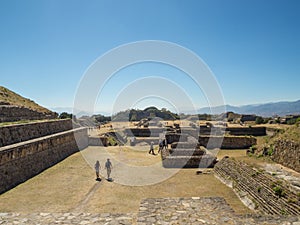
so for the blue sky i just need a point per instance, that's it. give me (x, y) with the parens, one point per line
(252, 47)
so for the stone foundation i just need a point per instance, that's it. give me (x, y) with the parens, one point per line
(287, 153)
(144, 132)
(227, 142)
(242, 131)
(98, 141)
(174, 137)
(202, 161)
(181, 157)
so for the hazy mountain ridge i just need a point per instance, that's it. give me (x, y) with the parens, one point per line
(266, 110)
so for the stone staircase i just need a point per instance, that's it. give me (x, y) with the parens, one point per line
(262, 192)
(187, 155)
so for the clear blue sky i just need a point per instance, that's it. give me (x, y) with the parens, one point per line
(252, 47)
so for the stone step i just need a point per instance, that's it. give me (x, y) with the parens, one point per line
(259, 186)
(205, 161)
(187, 152)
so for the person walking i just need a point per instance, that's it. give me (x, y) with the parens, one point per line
(151, 148)
(97, 169)
(160, 145)
(108, 167)
(165, 144)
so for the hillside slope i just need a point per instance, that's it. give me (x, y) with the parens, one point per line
(8, 97)
(14, 107)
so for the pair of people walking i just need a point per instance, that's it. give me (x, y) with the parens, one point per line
(108, 167)
(162, 144)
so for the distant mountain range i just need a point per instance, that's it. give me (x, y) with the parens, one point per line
(266, 110)
(78, 112)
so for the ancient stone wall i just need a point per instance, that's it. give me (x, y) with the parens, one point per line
(187, 155)
(174, 137)
(22, 132)
(257, 189)
(10, 113)
(237, 131)
(228, 142)
(19, 162)
(254, 131)
(287, 153)
(98, 141)
(144, 132)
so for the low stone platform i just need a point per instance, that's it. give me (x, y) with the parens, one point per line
(67, 218)
(199, 161)
(209, 210)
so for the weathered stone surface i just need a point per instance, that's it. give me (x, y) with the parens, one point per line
(12, 134)
(287, 153)
(144, 132)
(73, 218)
(227, 142)
(187, 158)
(254, 131)
(176, 137)
(259, 190)
(19, 162)
(210, 210)
(98, 141)
(237, 131)
(205, 161)
(10, 113)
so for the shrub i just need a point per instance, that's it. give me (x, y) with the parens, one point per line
(278, 191)
(291, 121)
(270, 151)
(65, 115)
(259, 189)
(259, 120)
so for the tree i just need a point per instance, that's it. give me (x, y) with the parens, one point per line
(65, 115)
(259, 120)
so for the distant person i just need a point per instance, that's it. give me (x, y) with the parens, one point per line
(132, 141)
(108, 167)
(161, 145)
(151, 148)
(165, 144)
(97, 169)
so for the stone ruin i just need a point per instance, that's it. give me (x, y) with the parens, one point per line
(187, 155)
(259, 190)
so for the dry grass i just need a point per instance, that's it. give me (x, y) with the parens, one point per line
(57, 189)
(12, 98)
(119, 198)
(70, 186)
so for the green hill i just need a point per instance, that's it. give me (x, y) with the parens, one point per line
(150, 112)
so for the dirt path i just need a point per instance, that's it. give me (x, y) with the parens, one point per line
(83, 203)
